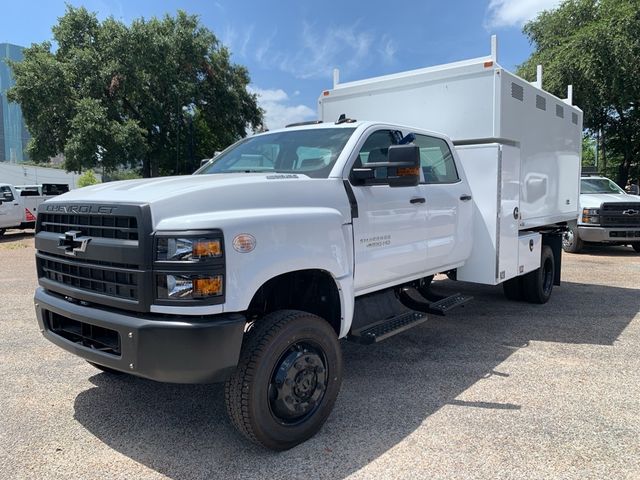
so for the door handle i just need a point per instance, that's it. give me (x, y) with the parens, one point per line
(465, 197)
(418, 200)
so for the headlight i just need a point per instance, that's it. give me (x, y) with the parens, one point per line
(188, 286)
(187, 249)
(591, 215)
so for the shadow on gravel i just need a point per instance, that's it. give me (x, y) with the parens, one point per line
(389, 389)
(15, 235)
(606, 251)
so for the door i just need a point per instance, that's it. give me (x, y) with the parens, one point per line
(389, 232)
(10, 208)
(449, 205)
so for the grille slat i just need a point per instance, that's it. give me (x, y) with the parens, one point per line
(118, 227)
(113, 280)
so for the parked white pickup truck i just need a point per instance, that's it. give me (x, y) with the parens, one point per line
(250, 271)
(609, 216)
(19, 204)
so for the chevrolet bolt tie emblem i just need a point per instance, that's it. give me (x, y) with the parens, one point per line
(72, 242)
(630, 212)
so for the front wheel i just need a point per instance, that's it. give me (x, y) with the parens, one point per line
(538, 285)
(287, 380)
(571, 242)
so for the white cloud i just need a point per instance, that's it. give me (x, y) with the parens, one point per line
(515, 13)
(278, 111)
(346, 47)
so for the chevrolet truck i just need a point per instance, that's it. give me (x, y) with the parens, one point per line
(252, 270)
(608, 216)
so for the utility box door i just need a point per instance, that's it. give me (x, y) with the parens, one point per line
(493, 173)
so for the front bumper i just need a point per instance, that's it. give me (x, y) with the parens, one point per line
(621, 235)
(184, 350)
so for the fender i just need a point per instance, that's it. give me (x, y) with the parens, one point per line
(287, 240)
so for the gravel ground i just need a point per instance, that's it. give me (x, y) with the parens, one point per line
(496, 390)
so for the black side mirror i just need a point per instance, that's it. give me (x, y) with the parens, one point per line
(404, 165)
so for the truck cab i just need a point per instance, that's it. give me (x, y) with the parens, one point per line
(608, 215)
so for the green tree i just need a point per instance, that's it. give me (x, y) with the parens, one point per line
(87, 178)
(146, 95)
(594, 45)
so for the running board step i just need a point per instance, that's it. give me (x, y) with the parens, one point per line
(449, 303)
(387, 328)
(436, 304)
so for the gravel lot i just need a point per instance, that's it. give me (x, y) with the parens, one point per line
(495, 390)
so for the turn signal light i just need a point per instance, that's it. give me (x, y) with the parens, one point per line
(207, 248)
(207, 287)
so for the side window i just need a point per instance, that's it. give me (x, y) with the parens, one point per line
(5, 193)
(375, 148)
(436, 160)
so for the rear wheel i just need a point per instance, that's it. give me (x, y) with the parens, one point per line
(538, 284)
(287, 380)
(513, 289)
(571, 242)
(636, 246)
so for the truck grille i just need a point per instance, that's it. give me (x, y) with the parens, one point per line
(620, 214)
(116, 280)
(102, 226)
(85, 334)
(110, 266)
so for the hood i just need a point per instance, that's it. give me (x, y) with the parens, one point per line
(170, 197)
(593, 200)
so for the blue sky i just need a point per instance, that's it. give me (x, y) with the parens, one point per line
(291, 47)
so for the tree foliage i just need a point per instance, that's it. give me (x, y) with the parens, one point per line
(87, 178)
(157, 94)
(594, 45)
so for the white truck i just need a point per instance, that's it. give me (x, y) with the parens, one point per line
(251, 270)
(608, 215)
(16, 211)
(19, 204)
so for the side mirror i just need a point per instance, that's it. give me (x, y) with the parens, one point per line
(402, 168)
(404, 165)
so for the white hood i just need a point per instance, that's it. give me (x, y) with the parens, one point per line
(594, 200)
(190, 195)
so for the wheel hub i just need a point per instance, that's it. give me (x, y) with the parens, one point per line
(298, 383)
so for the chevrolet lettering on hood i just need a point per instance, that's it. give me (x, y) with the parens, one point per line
(94, 209)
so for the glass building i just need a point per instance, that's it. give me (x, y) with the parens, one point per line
(13, 132)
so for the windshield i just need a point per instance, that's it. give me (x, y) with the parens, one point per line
(310, 152)
(599, 185)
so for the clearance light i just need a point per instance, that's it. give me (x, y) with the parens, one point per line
(408, 171)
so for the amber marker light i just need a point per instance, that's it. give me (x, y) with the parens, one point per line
(408, 171)
(207, 248)
(207, 287)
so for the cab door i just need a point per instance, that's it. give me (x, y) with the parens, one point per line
(449, 205)
(390, 229)
(10, 208)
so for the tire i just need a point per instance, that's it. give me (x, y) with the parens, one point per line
(108, 370)
(2, 230)
(571, 242)
(636, 246)
(538, 285)
(287, 380)
(514, 289)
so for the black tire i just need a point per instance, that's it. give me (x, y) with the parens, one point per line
(636, 246)
(571, 242)
(287, 380)
(538, 284)
(108, 370)
(2, 230)
(514, 289)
